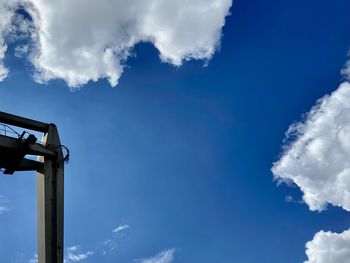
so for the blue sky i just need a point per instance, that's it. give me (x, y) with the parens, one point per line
(181, 156)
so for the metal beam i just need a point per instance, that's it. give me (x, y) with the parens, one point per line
(26, 165)
(32, 149)
(23, 122)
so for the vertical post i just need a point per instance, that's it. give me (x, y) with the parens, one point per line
(50, 187)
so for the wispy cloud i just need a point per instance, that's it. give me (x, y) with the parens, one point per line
(3, 204)
(166, 256)
(74, 254)
(120, 228)
(3, 209)
(35, 259)
(291, 199)
(108, 246)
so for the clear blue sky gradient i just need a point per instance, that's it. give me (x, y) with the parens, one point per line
(183, 155)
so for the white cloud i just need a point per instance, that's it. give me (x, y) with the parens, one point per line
(328, 247)
(318, 159)
(79, 41)
(120, 228)
(6, 13)
(166, 256)
(35, 259)
(74, 254)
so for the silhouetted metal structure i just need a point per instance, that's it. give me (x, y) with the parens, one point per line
(49, 166)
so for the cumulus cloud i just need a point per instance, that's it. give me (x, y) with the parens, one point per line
(79, 41)
(318, 157)
(166, 256)
(328, 247)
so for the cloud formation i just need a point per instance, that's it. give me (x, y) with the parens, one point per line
(75, 255)
(328, 247)
(6, 12)
(166, 256)
(120, 228)
(96, 43)
(317, 159)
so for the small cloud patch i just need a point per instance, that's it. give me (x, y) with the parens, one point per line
(166, 256)
(120, 228)
(74, 254)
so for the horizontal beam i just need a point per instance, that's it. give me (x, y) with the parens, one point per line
(26, 165)
(23, 122)
(32, 149)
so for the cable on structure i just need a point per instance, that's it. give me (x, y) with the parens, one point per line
(21, 136)
(67, 155)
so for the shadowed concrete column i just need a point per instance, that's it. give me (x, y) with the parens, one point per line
(50, 189)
